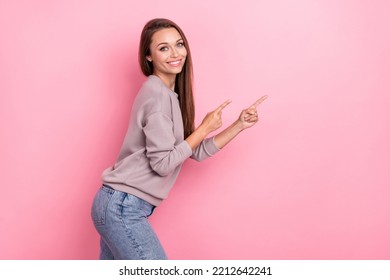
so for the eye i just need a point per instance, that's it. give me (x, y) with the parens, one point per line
(163, 49)
(180, 44)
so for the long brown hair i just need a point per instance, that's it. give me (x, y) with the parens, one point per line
(183, 83)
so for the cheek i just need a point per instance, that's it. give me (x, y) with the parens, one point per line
(159, 57)
(184, 52)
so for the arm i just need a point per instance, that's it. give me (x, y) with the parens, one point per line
(228, 134)
(203, 148)
(247, 119)
(164, 156)
(211, 122)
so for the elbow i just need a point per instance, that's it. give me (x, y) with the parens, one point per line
(197, 158)
(200, 155)
(161, 169)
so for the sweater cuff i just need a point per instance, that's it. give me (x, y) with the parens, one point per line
(211, 147)
(185, 149)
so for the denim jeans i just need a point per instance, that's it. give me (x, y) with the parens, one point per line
(122, 222)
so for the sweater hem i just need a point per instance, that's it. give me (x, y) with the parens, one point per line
(133, 191)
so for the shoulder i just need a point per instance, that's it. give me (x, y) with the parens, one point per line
(153, 96)
(153, 88)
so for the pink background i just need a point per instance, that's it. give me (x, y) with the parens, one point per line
(310, 181)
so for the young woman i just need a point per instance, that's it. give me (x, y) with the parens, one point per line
(160, 137)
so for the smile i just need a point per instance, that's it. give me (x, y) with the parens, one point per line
(174, 63)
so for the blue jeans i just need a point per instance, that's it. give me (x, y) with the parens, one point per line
(122, 222)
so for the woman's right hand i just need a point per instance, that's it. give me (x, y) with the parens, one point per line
(213, 120)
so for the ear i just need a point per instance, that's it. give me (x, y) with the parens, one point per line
(149, 58)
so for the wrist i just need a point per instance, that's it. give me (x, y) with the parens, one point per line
(202, 131)
(238, 125)
(197, 136)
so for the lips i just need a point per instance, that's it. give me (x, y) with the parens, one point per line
(174, 63)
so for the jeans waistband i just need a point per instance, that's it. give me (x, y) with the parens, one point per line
(107, 186)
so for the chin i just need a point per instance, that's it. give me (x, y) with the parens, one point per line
(177, 71)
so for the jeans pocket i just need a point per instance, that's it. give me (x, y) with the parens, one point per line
(100, 205)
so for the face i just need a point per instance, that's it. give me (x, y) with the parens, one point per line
(167, 53)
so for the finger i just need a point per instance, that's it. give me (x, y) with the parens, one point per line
(248, 116)
(252, 112)
(223, 105)
(258, 102)
(252, 118)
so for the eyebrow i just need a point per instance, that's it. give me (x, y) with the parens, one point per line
(181, 39)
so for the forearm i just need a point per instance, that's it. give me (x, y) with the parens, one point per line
(197, 137)
(228, 134)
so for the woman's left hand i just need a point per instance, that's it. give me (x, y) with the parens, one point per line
(249, 116)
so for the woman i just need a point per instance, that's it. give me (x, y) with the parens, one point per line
(161, 135)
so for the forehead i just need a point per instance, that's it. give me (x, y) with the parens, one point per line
(165, 35)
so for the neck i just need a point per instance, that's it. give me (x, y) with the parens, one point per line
(168, 80)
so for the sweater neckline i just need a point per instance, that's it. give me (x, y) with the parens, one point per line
(164, 85)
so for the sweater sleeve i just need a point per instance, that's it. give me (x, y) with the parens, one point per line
(163, 154)
(206, 149)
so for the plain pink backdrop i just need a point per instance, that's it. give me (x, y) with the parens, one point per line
(310, 181)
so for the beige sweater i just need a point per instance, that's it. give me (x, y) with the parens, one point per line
(154, 149)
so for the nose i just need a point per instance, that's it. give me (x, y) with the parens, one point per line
(174, 53)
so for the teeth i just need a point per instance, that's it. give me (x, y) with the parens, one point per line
(174, 62)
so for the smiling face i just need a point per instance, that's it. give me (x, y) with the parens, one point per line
(168, 54)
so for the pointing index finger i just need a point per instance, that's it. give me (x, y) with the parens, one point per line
(223, 105)
(259, 101)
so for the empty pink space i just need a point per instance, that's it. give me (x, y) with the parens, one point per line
(310, 181)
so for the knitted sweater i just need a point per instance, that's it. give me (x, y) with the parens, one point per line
(154, 149)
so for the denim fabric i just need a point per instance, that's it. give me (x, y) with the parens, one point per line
(122, 222)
